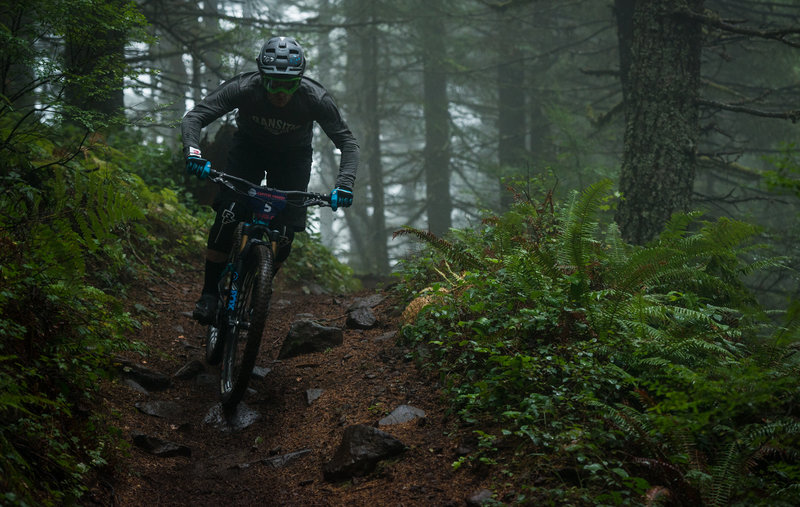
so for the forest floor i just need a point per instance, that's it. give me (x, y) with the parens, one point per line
(361, 380)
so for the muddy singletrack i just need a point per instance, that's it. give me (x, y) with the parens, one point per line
(279, 458)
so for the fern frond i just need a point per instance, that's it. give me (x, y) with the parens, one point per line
(677, 226)
(646, 266)
(580, 222)
(618, 250)
(771, 430)
(725, 475)
(792, 491)
(453, 252)
(547, 263)
(764, 264)
(789, 331)
(693, 351)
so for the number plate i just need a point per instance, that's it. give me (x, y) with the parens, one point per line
(266, 203)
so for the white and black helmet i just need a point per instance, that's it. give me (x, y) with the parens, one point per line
(281, 57)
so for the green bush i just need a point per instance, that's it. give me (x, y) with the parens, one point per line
(611, 371)
(74, 232)
(311, 261)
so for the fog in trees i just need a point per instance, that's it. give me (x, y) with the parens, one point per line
(461, 106)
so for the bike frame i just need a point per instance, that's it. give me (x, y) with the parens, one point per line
(252, 234)
(265, 203)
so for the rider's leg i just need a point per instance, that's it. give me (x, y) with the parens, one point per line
(290, 170)
(219, 244)
(206, 307)
(215, 263)
(284, 249)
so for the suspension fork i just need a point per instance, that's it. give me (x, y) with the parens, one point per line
(233, 297)
(238, 265)
(275, 237)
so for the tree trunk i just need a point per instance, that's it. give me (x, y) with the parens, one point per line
(372, 146)
(168, 99)
(94, 60)
(661, 113)
(511, 109)
(358, 219)
(17, 76)
(623, 11)
(328, 165)
(436, 154)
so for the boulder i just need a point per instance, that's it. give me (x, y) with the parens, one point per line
(157, 408)
(361, 449)
(307, 336)
(367, 302)
(190, 370)
(401, 414)
(361, 318)
(313, 395)
(159, 447)
(145, 377)
(239, 419)
(285, 459)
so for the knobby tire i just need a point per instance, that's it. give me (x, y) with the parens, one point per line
(214, 341)
(244, 337)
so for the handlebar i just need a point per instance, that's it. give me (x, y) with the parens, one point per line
(292, 196)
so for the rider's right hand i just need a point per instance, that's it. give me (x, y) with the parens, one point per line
(197, 165)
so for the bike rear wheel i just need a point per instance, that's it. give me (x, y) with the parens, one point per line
(243, 337)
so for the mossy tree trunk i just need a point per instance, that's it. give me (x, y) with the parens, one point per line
(660, 82)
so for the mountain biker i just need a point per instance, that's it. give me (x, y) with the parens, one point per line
(277, 106)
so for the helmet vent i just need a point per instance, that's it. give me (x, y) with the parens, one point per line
(281, 57)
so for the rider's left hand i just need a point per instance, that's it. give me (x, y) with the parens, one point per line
(341, 197)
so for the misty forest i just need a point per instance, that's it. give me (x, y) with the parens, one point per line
(588, 210)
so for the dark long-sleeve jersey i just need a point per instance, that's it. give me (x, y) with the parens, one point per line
(276, 128)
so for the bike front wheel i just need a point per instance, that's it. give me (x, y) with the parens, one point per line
(243, 338)
(215, 335)
(214, 341)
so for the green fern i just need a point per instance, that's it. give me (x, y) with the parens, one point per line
(656, 340)
(454, 253)
(742, 453)
(580, 225)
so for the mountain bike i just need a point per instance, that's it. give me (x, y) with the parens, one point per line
(245, 287)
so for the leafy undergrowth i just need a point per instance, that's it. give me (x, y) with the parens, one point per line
(77, 226)
(594, 372)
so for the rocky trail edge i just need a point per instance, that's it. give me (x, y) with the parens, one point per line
(354, 423)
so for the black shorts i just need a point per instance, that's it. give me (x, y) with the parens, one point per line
(287, 170)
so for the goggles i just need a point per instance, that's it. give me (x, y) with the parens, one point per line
(275, 85)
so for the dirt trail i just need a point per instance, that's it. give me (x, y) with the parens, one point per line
(362, 380)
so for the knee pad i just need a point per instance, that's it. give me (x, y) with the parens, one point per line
(221, 233)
